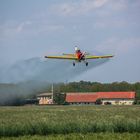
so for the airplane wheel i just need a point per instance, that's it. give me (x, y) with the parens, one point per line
(86, 63)
(73, 64)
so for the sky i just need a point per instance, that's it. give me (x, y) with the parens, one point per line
(33, 28)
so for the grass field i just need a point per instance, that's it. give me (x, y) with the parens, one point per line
(79, 136)
(70, 122)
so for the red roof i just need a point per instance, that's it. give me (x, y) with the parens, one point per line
(81, 97)
(92, 96)
(115, 95)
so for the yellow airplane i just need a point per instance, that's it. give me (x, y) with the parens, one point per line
(78, 56)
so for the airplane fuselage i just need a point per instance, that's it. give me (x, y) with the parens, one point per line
(80, 56)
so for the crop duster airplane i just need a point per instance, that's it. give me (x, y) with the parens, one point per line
(79, 56)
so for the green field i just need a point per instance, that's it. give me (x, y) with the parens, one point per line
(70, 122)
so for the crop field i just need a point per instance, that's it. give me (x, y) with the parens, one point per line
(70, 122)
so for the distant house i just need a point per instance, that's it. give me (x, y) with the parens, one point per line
(114, 98)
(45, 98)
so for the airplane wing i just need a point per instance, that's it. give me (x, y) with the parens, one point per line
(98, 57)
(69, 57)
(68, 54)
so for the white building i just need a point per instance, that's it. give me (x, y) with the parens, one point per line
(45, 98)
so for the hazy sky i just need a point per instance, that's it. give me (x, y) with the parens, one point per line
(32, 28)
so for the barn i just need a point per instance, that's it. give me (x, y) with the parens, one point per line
(114, 98)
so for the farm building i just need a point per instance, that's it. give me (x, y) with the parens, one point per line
(45, 98)
(114, 98)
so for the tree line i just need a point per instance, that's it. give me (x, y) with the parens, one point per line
(84, 86)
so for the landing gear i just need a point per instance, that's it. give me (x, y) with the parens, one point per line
(79, 62)
(86, 63)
